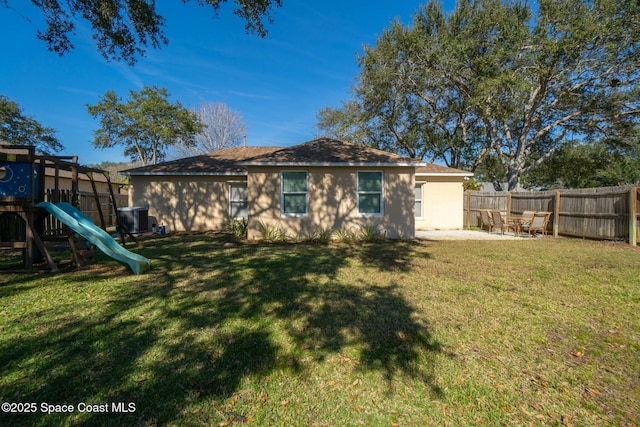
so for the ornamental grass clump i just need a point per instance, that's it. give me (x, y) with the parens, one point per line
(272, 233)
(345, 236)
(370, 233)
(237, 227)
(320, 235)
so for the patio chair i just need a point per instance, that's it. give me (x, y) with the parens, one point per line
(502, 223)
(539, 223)
(523, 221)
(485, 220)
(527, 218)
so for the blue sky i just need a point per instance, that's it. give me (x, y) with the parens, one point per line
(278, 84)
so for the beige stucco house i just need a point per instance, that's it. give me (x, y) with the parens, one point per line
(322, 183)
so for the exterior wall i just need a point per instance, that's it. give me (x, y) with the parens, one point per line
(332, 201)
(184, 203)
(442, 203)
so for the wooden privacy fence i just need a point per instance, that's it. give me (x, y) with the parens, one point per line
(606, 213)
(87, 204)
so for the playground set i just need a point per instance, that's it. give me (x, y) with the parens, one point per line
(26, 218)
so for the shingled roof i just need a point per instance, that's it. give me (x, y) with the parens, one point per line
(431, 169)
(223, 162)
(318, 152)
(330, 152)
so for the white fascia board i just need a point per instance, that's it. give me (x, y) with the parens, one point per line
(184, 173)
(444, 174)
(333, 164)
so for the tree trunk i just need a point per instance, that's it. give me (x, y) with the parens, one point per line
(513, 179)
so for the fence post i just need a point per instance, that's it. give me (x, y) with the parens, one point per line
(556, 214)
(468, 219)
(633, 216)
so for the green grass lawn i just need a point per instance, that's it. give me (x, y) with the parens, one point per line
(543, 332)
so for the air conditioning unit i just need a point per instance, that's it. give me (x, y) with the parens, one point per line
(135, 219)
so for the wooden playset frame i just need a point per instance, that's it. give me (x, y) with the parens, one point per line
(21, 197)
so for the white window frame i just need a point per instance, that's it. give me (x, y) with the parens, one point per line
(381, 192)
(283, 194)
(421, 200)
(232, 201)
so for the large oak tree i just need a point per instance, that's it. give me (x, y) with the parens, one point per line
(499, 82)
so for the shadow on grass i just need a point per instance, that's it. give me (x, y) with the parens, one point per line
(204, 320)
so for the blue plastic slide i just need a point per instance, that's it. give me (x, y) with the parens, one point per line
(84, 226)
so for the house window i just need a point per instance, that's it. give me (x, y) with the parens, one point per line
(418, 200)
(294, 192)
(238, 195)
(370, 193)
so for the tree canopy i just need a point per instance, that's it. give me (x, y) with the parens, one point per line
(499, 83)
(19, 129)
(122, 29)
(145, 125)
(590, 164)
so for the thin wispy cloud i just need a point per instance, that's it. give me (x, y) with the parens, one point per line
(129, 74)
(250, 95)
(80, 91)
